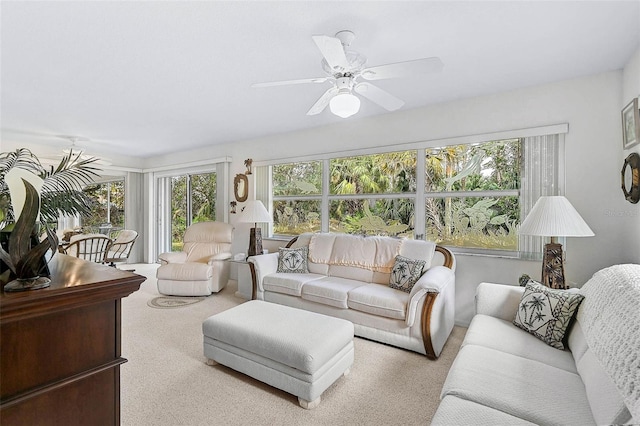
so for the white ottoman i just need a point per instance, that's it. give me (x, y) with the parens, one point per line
(297, 351)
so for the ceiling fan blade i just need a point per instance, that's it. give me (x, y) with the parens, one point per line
(322, 103)
(403, 69)
(287, 82)
(375, 94)
(333, 52)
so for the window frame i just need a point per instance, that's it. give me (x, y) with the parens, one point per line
(420, 196)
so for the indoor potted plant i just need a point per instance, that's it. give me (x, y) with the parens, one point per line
(61, 194)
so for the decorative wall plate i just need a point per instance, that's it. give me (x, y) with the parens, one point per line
(241, 187)
(631, 178)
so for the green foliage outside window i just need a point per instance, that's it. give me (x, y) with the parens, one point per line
(201, 194)
(297, 179)
(107, 206)
(453, 217)
(488, 222)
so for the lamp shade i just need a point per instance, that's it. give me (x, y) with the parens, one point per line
(254, 211)
(18, 192)
(554, 216)
(344, 105)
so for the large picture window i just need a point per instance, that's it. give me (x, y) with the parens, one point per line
(469, 196)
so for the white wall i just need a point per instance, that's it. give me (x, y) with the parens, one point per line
(590, 105)
(630, 90)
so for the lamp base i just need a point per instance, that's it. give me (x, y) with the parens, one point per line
(553, 267)
(255, 241)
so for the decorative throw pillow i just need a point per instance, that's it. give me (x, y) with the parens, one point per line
(405, 273)
(293, 260)
(546, 313)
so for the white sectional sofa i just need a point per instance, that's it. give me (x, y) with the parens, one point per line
(348, 277)
(506, 376)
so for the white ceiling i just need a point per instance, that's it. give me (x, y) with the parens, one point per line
(153, 77)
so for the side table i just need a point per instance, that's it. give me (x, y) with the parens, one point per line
(245, 283)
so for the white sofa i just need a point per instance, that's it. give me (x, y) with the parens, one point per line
(506, 376)
(349, 278)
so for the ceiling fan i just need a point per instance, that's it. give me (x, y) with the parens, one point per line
(79, 150)
(345, 70)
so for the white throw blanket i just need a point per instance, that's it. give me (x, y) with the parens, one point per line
(610, 318)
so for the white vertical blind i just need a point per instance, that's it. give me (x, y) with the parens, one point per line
(540, 177)
(133, 205)
(263, 186)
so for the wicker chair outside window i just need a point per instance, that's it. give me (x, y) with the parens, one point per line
(121, 247)
(91, 247)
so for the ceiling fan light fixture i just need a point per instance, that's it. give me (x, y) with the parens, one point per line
(344, 104)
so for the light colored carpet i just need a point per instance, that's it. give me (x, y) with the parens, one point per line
(166, 381)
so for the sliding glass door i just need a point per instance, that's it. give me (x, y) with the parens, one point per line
(184, 199)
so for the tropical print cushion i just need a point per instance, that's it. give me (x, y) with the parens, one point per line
(546, 313)
(405, 273)
(293, 260)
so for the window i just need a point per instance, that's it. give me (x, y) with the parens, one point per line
(470, 196)
(297, 197)
(107, 207)
(368, 194)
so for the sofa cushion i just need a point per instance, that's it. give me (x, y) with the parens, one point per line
(418, 249)
(293, 260)
(405, 273)
(457, 411)
(380, 300)
(546, 313)
(191, 271)
(331, 291)
(288, 283)
(502, 335)
(524, 388)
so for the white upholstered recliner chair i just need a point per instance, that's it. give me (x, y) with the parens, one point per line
(202, 267)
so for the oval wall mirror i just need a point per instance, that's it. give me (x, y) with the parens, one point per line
(241, 187)
(631, 178)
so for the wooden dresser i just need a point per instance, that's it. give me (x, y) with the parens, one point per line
(60, 347)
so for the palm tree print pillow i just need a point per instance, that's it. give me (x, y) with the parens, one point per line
(293, 260)
(405, 273)
(546, 313)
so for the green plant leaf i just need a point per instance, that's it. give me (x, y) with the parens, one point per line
(62, 187)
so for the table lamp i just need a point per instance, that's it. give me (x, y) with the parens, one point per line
(554, 216)
(254, 211)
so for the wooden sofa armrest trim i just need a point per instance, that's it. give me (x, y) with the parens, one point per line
(290, 243)
(448, 256)
(254, 280)
(430, 299)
